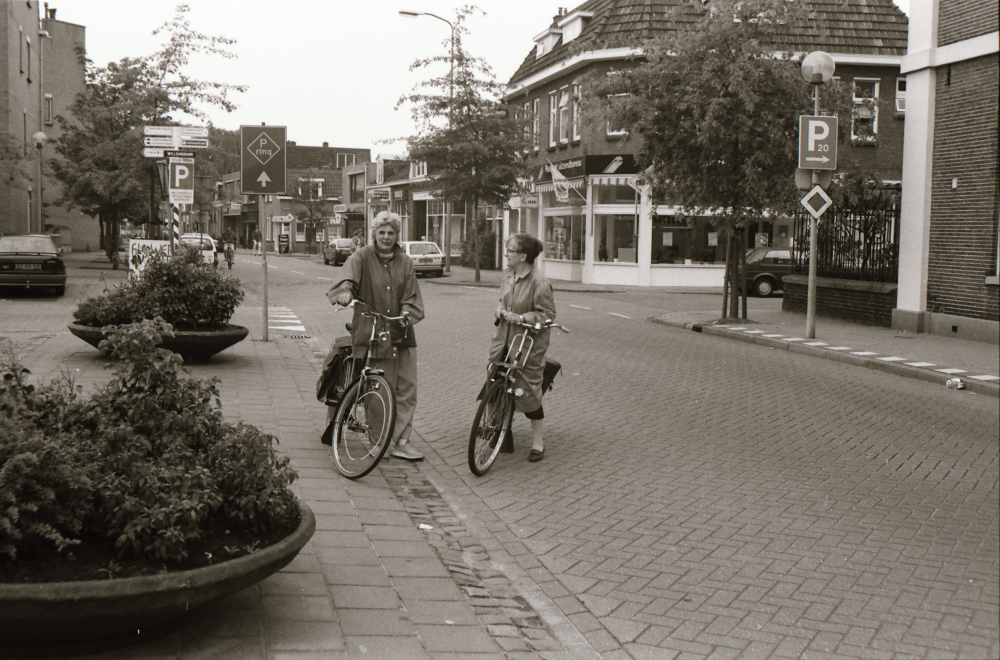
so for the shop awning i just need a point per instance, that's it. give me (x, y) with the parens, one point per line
(548, 186)
(612, 179)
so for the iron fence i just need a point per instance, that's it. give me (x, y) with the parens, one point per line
(851, 244)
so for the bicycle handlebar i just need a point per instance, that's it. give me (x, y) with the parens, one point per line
(372, 311)
(540, 325)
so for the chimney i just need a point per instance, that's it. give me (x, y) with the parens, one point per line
(326, 145)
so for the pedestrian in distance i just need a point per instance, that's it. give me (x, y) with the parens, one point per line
(256, 242)
(382, 276)
(525, 297)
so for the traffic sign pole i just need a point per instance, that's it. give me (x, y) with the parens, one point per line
(813, 246)
(263, 253)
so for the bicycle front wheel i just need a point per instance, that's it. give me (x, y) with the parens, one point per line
(490, 427)
(363, 426)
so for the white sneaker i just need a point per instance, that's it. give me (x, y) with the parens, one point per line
(407, 452)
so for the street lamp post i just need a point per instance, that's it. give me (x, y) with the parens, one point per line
(817, 69)
(448, 208)
(40, 139)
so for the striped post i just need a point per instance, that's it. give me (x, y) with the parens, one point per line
(175, 226)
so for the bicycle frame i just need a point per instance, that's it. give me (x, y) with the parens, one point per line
(374, 339)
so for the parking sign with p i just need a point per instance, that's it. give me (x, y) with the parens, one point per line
(181, 171)
(817, 142)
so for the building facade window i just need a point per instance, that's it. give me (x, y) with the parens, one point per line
(553, 118)
(380, 171)
(357, 188)
(418, 169)
(864, 116)
(27, 64)
(47, 110)
(20, 48)
(616, 237)
(564, 119)
(311, 189)
(345, 160)
(576, 111)
(536, 120)
(900, 97)
(614, 128)
(564, 236)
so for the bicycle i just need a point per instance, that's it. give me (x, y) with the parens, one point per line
(491, 426)
(366, 415)
(229, 255)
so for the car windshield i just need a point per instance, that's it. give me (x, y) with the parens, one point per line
(424, 248)
(27, 244)
(204, 243)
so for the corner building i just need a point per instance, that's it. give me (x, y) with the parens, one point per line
(597, 225)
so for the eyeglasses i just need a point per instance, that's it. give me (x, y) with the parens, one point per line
(508, 252)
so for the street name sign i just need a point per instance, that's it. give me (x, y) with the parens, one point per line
(181, 185)
(817, 142)
(152, 153)
(816, 202)
(262, 160)
(158, 138)
(162, 131)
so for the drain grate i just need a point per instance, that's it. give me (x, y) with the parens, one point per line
(298, 336)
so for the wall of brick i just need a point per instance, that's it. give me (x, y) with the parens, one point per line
(964, 19)
(870, 303)
(964, 194)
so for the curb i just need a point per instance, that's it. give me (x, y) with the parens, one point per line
(896, 369)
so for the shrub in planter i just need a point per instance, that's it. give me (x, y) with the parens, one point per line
(182, 289)
(144, 475)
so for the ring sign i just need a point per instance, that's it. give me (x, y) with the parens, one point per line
(262, 160)
(817, 143)
(181, 180)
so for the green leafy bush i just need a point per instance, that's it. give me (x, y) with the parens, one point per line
(183, 290)
(148, 455)
(487, 249)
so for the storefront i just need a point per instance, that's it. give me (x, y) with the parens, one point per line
(599, 226)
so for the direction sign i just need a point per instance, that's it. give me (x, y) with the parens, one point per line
(817, 142)
(816, 202)
(152, 153)
(158, 141)
(181, 183)
(158, 130)
(262, 160)
(194, 143)
(191, 131)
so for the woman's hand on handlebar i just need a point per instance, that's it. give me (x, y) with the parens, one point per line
(344, 299)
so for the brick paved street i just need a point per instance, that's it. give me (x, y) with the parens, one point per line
(700, 497)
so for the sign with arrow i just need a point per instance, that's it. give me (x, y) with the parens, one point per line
(817, 143)
(262, 160)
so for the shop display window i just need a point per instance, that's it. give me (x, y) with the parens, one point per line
(564, 237)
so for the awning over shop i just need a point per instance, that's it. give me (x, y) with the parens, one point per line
(548, 186)
(612, 180)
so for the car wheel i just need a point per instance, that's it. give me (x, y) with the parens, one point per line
(326, 262)
(60, 290)
(440, 273)
(764, 287)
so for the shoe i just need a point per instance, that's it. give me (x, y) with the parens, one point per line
(407, 452)
(534, 455)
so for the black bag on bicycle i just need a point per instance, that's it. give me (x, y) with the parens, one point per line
(332, 381)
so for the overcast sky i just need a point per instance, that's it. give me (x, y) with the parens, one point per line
(330, 70)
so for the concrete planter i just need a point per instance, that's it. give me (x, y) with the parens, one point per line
(192, 345)
(69, 618)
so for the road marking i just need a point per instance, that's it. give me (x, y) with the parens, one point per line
(863, 353)
(753, 332)
(735, 329)
(985, 377)
(892, 359)
(920, 364)
(793, 339)
(839, 348)
(296, 272)
(619, 315)
(324, 278)
(579, 306)
(773, 336)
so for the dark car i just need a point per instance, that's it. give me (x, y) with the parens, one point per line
(766, 268)
(31, 260)
(337, 251)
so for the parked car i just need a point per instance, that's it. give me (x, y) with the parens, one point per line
(337, 251)
(766, 269)
(206, 244)
(31, 260)
(427, 257)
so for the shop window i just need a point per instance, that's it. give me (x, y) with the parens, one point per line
(615, 237)
(864, 117)
(564, 237)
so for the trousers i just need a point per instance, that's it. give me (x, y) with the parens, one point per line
(401, 372)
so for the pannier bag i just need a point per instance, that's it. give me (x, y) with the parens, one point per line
(333, 382)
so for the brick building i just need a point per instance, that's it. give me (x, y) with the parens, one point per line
(40, 76)
(948, 264)
(306, 216)
(604, 230)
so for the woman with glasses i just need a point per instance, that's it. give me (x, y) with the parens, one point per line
(525, 297)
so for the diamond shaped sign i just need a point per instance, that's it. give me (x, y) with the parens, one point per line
(816, 202)
(262, 160)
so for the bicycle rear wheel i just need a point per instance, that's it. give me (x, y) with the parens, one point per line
(363, 426)
(490, 427)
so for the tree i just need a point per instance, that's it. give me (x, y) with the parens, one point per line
(717, 108)
(101, 164)
(471, 146)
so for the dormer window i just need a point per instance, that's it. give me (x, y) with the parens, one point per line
(418, 169)
(546, 41)
(572, 24)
